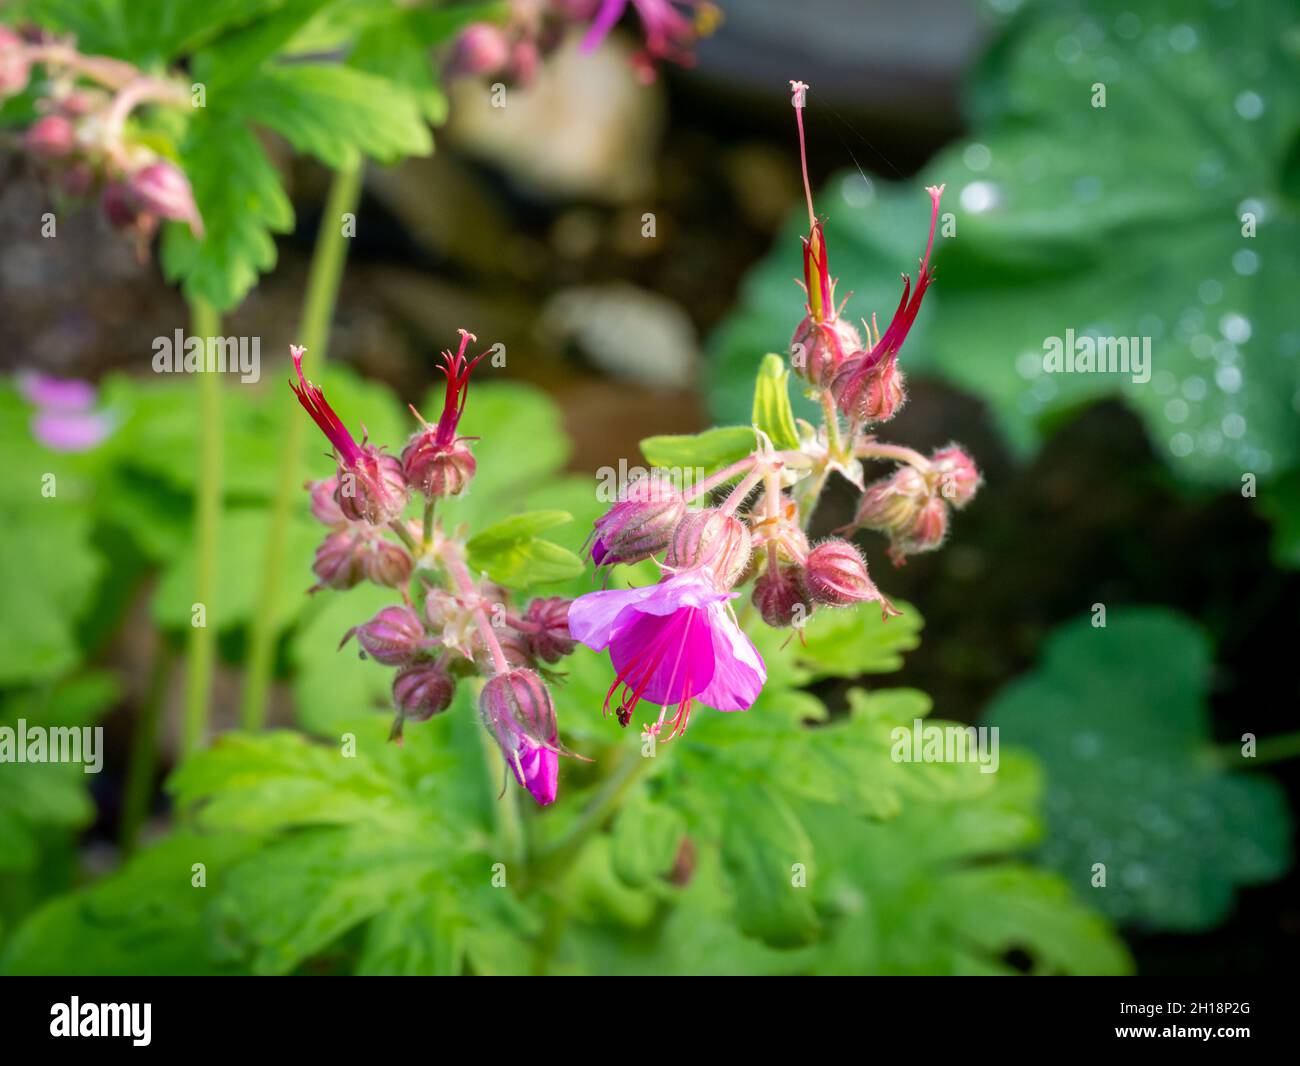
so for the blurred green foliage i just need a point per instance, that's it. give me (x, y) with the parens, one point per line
(1119, 716)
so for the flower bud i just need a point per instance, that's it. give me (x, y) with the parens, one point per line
(324, 507)
(423, 690)
(513, 644)
(924, 533)
(387, 563)
(640, 524)
(338, 562)
(50, 137)
(393, 637)
(836, 576)
(956, 476)
(121, 209)
(550, 641)
(516, 709)
(780, 598)
(819, 349)
(713, 540)
(481, 50)
(14, 65)
(868, 389)
(372, 489)
(435, 469)
(162, 189)
(891, 504)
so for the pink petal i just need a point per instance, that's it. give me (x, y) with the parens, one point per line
(738, 670)
(683, 647)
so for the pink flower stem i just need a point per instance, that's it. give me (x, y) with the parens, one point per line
(871, 449)
(721, 477)
(742, 490)
(793, 459)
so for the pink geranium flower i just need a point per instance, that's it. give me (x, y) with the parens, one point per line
(674, 643)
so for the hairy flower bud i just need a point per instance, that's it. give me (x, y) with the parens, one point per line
(640, 524)
(162, 189)
(394, 637)
(924, 533)
(836, 576)
(324, 507)
(516, 709)
(819, 349)
(713, 540)
(957, 478)
(338, 562)
(387, 563)
(437, 470)
(868, 388)
(550, 641)
(892, 504)
(50, 137)
(423, 690)
(780, 598)
(371, 488)
(513, 644)
(14, 65)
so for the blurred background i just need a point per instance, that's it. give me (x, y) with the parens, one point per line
(526, 225)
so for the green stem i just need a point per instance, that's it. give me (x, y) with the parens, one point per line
(602, 805)
(313, 334)
(202, 643)
(143, 763)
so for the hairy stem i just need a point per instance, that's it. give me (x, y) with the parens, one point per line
(202, 643)
(313, 333)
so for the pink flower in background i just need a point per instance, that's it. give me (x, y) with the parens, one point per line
(66, 420)
(670, 31)
(673, 643)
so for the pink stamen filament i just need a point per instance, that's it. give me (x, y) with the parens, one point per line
(801, 92)
(643, 667)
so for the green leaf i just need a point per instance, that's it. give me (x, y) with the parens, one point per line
(334, 112)
(144, 31)
(768, 855)
(510, 553)
(705, 453)
(1119, 717)
(37, 800)
(772, 412)
(239, 195)
(49, 570)
(237, 56)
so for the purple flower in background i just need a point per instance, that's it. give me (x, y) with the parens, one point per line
(672, 644)
(65, 420)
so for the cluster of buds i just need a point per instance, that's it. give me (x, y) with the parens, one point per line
(513, 50)
(677, 642)
(449, 626)
(913, 505)
(82, 144)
